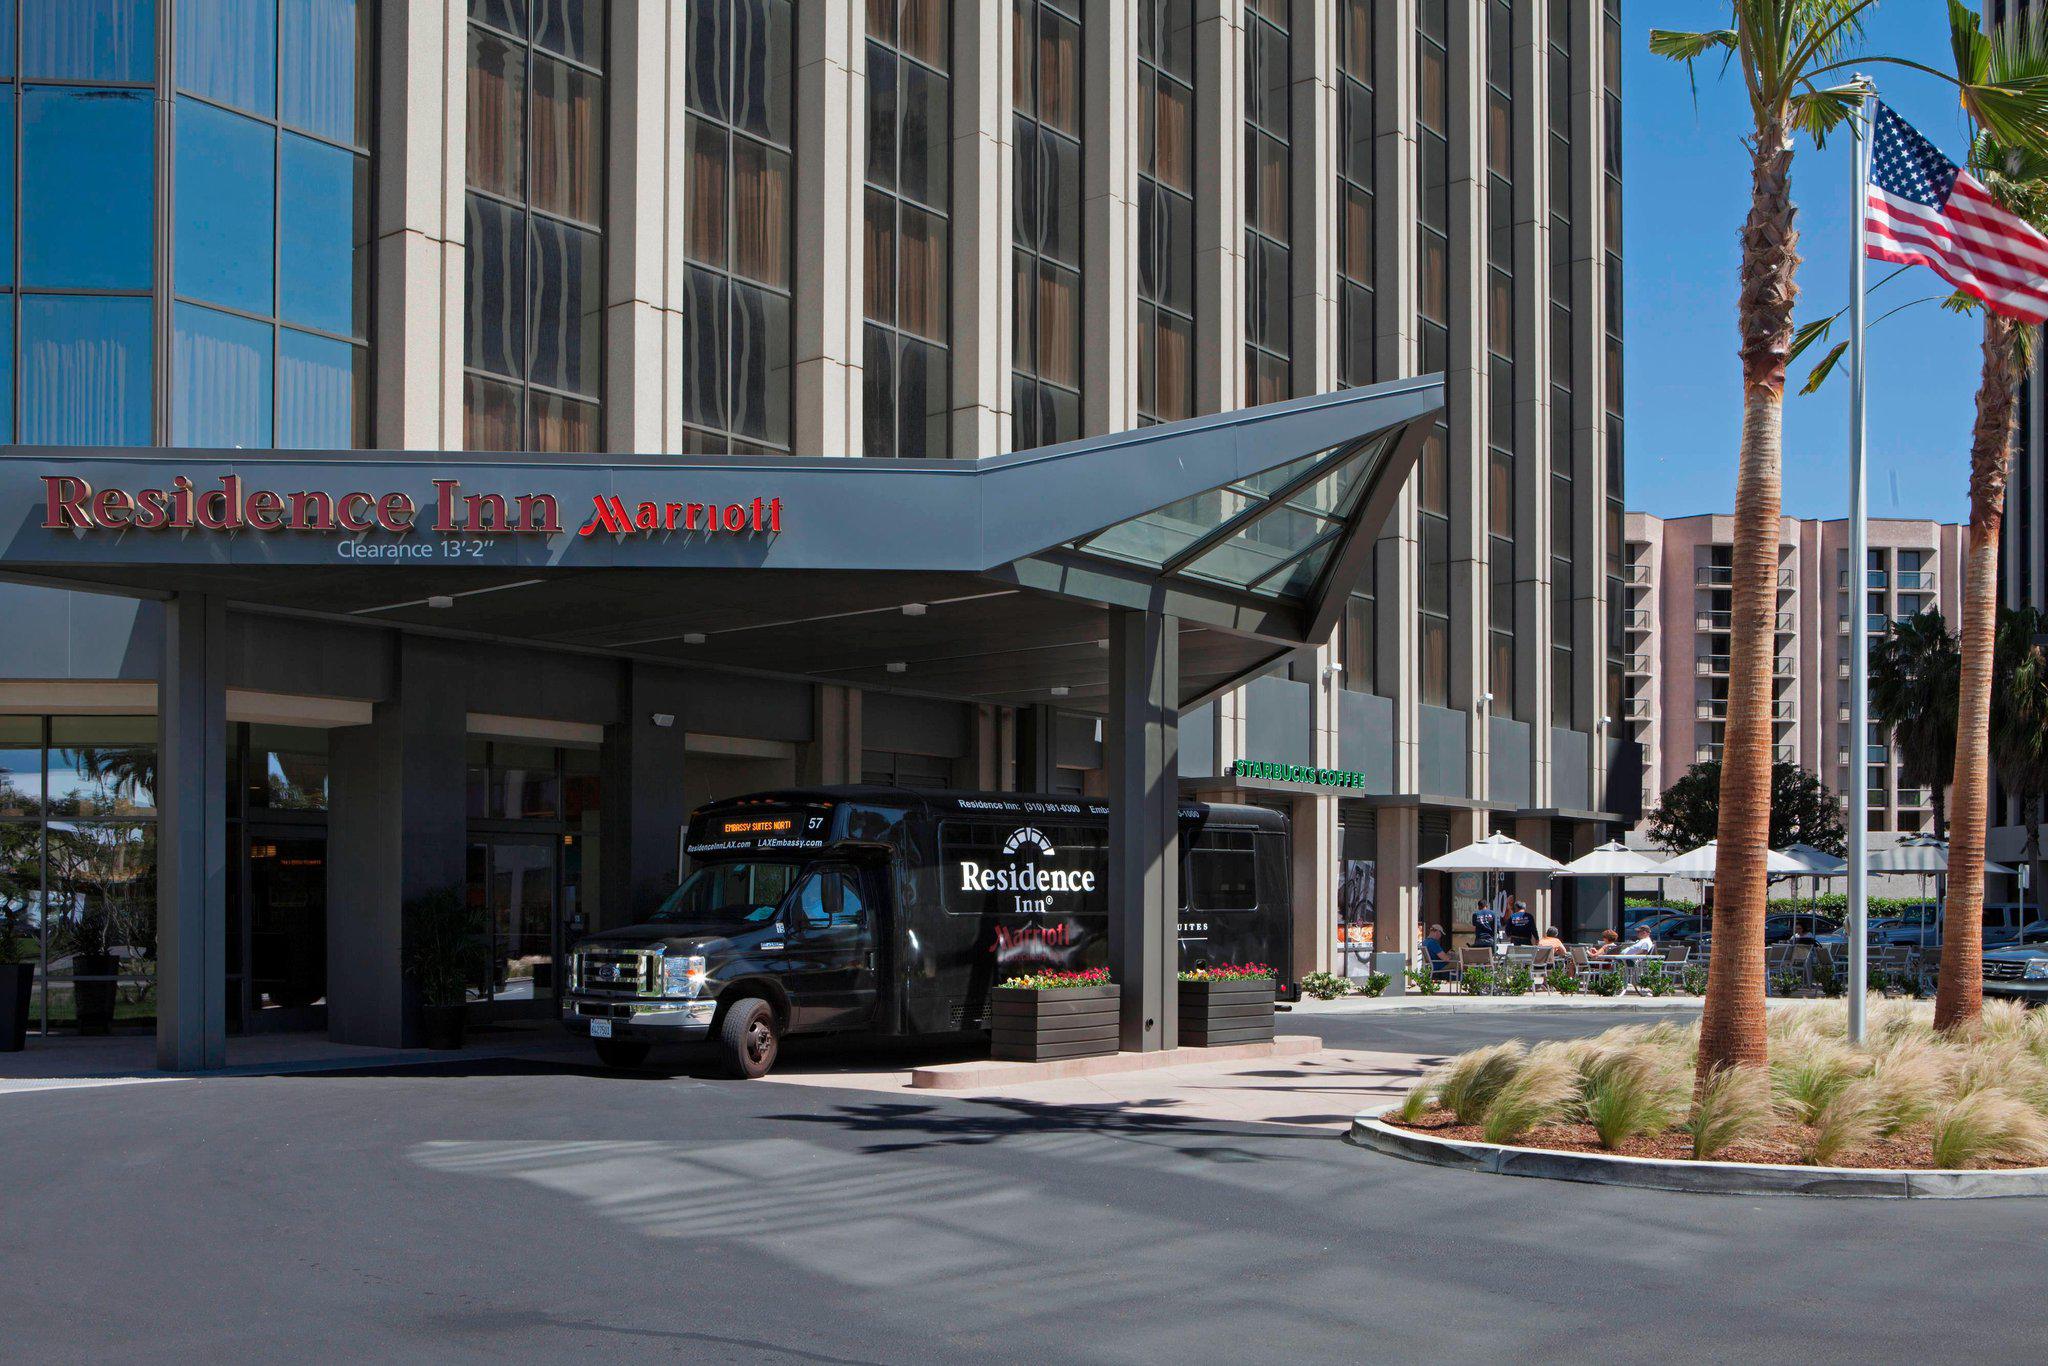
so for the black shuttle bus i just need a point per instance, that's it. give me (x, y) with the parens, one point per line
(889, 911)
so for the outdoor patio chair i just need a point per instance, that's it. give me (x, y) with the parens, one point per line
(1676, 955)
(1474, 958)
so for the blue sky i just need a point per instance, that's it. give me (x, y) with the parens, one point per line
(1686, 192)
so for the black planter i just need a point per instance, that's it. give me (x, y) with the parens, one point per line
(442, 1026)
(94, 1001)
(17, 985)
(1216, 1013)
(1029, 1025)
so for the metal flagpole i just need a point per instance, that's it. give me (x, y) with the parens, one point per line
(1859, 557)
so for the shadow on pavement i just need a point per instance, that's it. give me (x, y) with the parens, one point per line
(903, 1126)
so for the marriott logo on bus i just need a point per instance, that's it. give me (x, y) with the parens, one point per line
(71, 503)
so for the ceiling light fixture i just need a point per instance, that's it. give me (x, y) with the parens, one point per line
(914, 609)
(440, 600)
(897, 666)
(1061, 692)
(693, 638)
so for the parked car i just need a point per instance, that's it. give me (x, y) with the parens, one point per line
(1798, 924)
(1681, 929)
(2020, 971)
(1651, 916)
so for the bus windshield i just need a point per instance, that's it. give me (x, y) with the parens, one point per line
(732, 895)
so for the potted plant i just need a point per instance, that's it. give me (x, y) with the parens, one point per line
(444, 948)
(95, 969)
(1226, 1003)
(17, 981)
(1040, 1016)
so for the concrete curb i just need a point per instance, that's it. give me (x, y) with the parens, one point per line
(1699, 1178)
(1374, 1005)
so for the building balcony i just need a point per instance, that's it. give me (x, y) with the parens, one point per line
(1915, 580)
(1712, 666)
(1636, 576)
(1715, 575)
(1636, 619)
(1637, 709)
(1637, 665)
(1916, 796)
(1784, 668)
(1785, 754)
(1712, 711)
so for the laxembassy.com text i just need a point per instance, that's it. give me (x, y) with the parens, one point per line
(71, 503)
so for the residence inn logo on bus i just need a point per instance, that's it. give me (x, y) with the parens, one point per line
(1033, 886)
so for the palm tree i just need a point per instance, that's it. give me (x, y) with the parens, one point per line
(1787, 50)
(2014, 170)
(2019, 722)
(1915, 677)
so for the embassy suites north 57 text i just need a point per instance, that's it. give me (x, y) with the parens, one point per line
(71, 503)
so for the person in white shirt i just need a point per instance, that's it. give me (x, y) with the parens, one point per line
(1642, 944)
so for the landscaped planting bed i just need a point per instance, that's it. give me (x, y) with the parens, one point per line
(1909, 1100)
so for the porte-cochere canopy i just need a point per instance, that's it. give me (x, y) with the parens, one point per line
(989, 580)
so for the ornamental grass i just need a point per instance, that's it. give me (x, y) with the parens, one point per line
(1909, 1097)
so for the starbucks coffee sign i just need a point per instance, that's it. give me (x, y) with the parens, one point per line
(1297, 773)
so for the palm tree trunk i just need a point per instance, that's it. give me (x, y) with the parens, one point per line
(1732, 1023)
(1960, 998)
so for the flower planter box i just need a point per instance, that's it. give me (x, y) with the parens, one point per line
(1216, 1013)
(1027, 1024)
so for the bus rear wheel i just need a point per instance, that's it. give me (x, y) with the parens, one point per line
(748, 1038)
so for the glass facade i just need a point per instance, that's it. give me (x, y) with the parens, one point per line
(533, 864)
(736, 333)
(1500, 358)
(1268, 264)
(77, 196)
(78, 867)
(1357, 166)
(1045, 95)
(1433, 303)
(270, 276)
(907, 371)
(1166, 210)
(533, 303)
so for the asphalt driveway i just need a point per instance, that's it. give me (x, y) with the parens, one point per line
(538, 1210)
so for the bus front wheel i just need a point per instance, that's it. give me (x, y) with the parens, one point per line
(748, 1038)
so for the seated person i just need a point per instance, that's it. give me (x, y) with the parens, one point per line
(1433, 947)
(1641, 945)
(1610, 944)
(1549, 940)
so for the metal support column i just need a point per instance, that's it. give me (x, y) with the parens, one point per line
(1141, 746)
(191, 852)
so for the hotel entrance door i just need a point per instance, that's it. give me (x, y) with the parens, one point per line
(528, 887)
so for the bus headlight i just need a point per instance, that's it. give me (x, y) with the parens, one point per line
(2036, 969)
(682, 976)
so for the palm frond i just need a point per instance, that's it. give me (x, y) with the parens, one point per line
(1820, 110)
(1961, 303)
(1826, 367)
(2003, 76)
(1680, 46)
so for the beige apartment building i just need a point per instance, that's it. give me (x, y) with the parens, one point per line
(1675, 621)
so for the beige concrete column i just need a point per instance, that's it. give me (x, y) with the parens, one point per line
(831, 154)
(1399, 353)
(1466, 377)
(1219, 205)
(1314, 880)
(422, 172)
(984, 190)
(646, 180)
(1109, 216)
(1531, 165)
(1398, 884)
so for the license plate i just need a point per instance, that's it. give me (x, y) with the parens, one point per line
(600, 1029)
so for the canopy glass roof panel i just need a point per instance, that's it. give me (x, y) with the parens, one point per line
(1271, 533)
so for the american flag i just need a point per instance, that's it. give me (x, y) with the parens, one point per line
(1925, 210)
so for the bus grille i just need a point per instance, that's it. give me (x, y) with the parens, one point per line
(618, 972)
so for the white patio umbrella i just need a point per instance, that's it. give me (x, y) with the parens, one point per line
(1494, 855)
(1819, 864)
(1698, 864)
(1616, 860)
(1921, 854)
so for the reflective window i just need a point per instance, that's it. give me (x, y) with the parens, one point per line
(1564, 336)
(271, 228)
(1166, 175)
(78, 868)
(907, 367)
(88, 40)
(1500, 346)
(1045, 98)
(1269, 286)
(86, 178)
(85, 371)
(534, 258)
(1432, 478)
(1356, 164)
(736, 331)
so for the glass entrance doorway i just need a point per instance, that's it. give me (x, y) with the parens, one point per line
(515, 881)
(285, 985)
